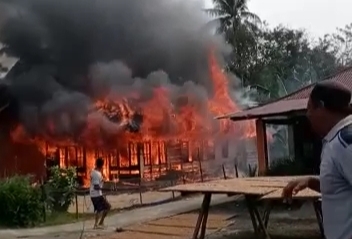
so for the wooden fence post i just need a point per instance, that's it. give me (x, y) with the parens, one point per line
(201, 171)
(140, 192)
(223, 171)
(172, 184)
(76, 201)
(43, 200)
(236, 170)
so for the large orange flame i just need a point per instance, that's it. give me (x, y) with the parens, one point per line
(162, 121)
(222, 103)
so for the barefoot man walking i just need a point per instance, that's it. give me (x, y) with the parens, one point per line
(329, 113)
(100, 204)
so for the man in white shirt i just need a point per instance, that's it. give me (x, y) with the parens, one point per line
(330, 115)
(100, 204)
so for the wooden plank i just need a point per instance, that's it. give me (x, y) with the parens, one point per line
(251, 186)
(285, 179)
(304, 194)
(221, 189)
(264, 181)
(254, 183)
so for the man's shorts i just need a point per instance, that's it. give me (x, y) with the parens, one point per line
(100, 204)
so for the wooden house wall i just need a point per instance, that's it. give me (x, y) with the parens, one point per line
(20, 159)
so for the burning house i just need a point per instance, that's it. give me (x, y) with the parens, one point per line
(139, 90)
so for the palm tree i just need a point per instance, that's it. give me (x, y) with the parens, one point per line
(240, 28)
(234, 17)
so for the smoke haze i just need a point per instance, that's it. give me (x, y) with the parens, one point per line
(73, 52)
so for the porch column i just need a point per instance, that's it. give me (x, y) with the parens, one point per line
(291, 140)
(262, 149)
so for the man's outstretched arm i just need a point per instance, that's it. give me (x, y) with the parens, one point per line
(314, 183)
(293, 187)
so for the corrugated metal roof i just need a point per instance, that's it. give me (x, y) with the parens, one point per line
(296, 101)
(273, 109)
(344, 77)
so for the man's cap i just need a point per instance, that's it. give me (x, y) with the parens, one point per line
(333, 96)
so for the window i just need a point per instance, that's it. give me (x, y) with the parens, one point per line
(209, 150)
(114, 159)
(99, 154)
(147, 154)
(62, 157)
(162, 153)
(71, 157)
(123, 157)
(133, 154)
(80, 154)
(155, 153)
(225, 149)
(185, 152)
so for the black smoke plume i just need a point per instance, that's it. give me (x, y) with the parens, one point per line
(72, 52)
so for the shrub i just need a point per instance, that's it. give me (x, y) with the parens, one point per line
(60, 188)
(21, 202)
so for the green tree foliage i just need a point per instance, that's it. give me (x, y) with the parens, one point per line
(240, 28)
(288, 60)
(340, 44)
(272, 62)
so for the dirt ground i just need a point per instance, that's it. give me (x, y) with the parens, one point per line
(122, 200)
(283, 224)
(278, 229)
(177, 227)
(226, 221)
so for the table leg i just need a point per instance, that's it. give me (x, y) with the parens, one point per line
(257, 220)
(251, 213)
(319, 215)
(266, 214)
(262, 226)
(202, 218)
(205, 216)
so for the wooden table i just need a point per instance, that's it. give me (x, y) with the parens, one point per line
(307, 195)
(253, 190)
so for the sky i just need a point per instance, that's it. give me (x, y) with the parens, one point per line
(317, 16)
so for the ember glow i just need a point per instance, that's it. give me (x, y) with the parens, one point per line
(142, 96)
(151, 124)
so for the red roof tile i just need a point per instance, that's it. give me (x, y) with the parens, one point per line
(296, 101)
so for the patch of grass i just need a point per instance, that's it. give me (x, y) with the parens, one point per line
(64, 218)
